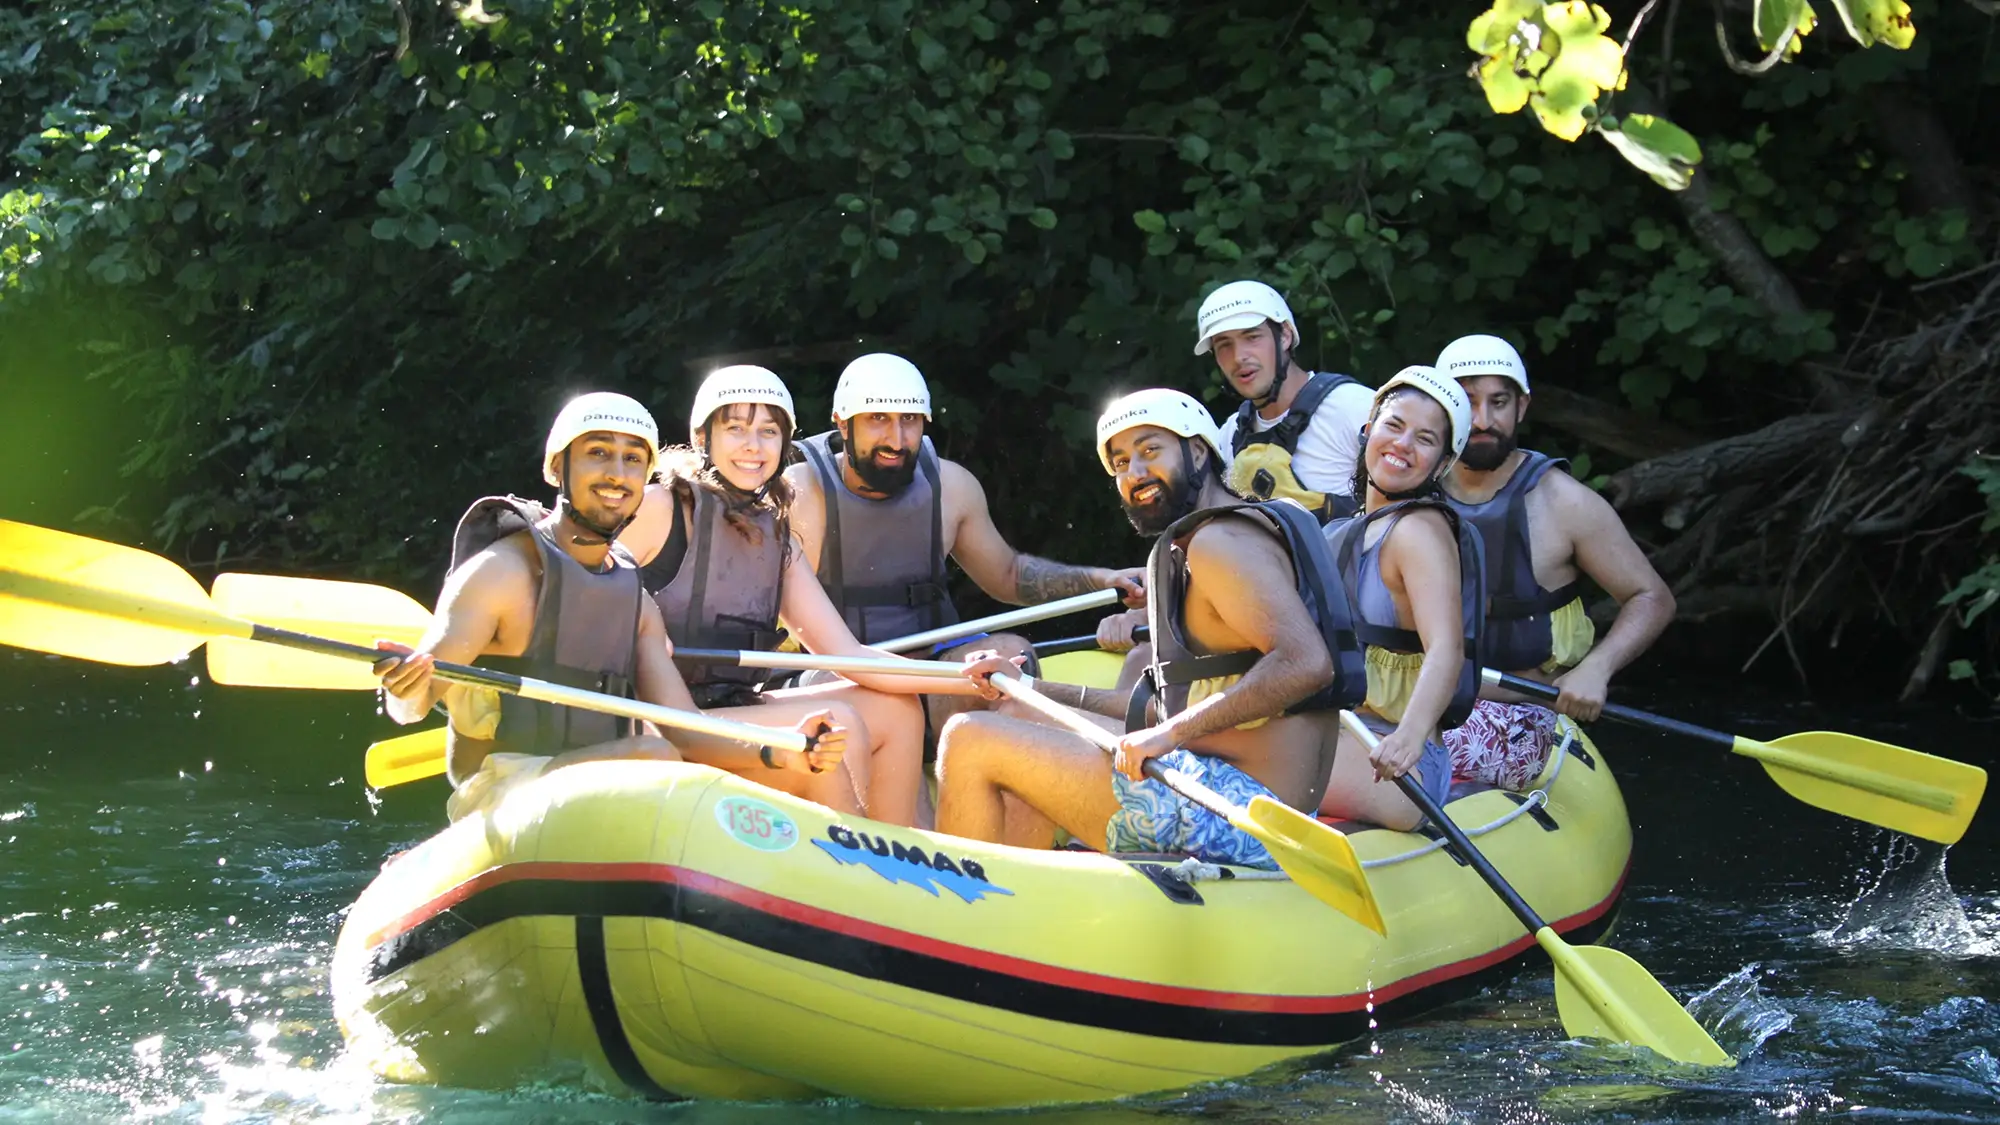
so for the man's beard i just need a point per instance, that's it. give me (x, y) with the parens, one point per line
(1484, 458)
(880, 479)
(1151, 519)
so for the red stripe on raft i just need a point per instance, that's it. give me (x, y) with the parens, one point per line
(962, 954)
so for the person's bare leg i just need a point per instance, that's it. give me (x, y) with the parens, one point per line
(642, 747)
(890, 779)
(1352, 793)
(1024, 827)
(943, 707)
(841, 789)
(1134, 667)
(982, 757)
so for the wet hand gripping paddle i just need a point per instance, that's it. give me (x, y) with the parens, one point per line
(85, 598)
(1600, 992)
(1902, 790)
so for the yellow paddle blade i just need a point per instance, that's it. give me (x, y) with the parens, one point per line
(1091, 668)
(100, 601)
(345, 611)
(1317, 856)
(412, 757)
(1900, 789)
(1603, 994)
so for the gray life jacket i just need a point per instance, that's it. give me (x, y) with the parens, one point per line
(1285, 435)
(1518, 633)
(1176, 664)
(879, 568)
(585, 636)
(1359, 564)
(716, 589)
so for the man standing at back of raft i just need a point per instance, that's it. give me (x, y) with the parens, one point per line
(549, 595)
(1544, 531)
(878, 512)
(1260, 719)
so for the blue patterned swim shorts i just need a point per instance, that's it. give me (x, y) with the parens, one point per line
(1154, 818)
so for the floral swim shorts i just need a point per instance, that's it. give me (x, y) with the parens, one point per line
(1154, 818)
(1503, 744)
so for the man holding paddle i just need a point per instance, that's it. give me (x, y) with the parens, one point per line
(1237, 595)
(549, 595)
(1544, 532)
(878, 512)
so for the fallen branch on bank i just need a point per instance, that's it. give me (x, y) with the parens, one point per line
(1859, 516)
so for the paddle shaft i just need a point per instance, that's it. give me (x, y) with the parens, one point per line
(756, 658)
(542, 691)
(1067, 645)
(1463, 844)
(1841, 773)
(1022, 691)
(1022, 616)
(1618, 712)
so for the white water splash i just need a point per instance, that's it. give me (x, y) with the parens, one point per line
(1737, 1013)
(1910, 905)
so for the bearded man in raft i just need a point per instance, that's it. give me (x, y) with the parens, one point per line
(1257, 715)
(550, 595)
(1545, 532)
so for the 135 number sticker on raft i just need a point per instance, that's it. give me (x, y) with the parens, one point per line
(751, 821)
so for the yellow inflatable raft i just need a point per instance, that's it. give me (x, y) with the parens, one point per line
(668, 930)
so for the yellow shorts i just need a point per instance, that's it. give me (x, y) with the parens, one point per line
(500, 774)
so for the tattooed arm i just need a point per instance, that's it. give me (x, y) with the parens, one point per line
(1008, 575)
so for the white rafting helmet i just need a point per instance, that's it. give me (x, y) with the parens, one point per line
(598, 410)
(880, 382)
(1239, 305)
(1447, 394)
(740, 383)
(1170, 410)
(1469, 357)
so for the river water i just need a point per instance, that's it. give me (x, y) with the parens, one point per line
(175, 860)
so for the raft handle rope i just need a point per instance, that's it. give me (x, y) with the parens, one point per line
(1193, 870)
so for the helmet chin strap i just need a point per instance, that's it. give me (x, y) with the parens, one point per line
(1284, 370)
(1192, 479)
(600, 535)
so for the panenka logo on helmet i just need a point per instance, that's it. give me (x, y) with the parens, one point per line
(1118, 422)
(888, 400)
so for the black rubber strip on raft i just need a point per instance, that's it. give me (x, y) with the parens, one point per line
(593, 968)
(913, 968)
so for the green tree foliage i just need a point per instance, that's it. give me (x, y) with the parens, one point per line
(1558, 59)
(345, 259)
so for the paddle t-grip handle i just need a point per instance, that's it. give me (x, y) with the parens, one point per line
(1614, 711)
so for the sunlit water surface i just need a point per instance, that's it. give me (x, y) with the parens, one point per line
(175, 859)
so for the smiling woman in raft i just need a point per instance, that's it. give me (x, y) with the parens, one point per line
(713, 537)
